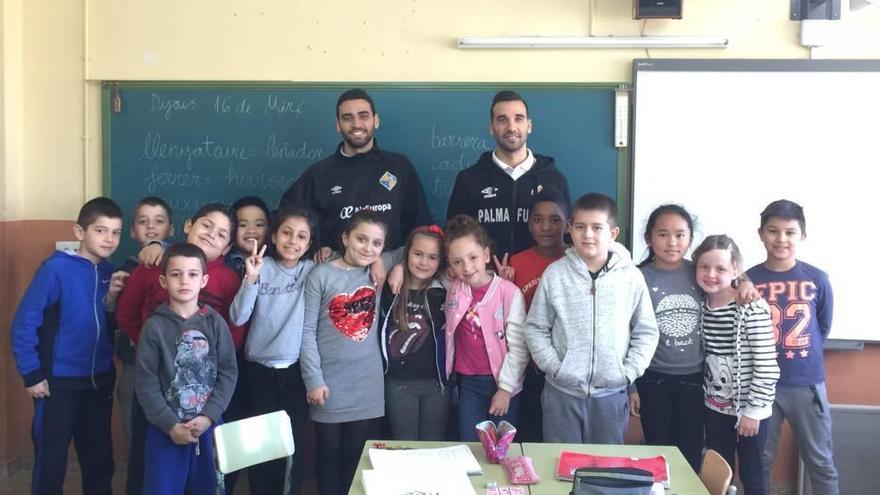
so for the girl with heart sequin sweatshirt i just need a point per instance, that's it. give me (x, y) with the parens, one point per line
(341, 359)
(340, 350)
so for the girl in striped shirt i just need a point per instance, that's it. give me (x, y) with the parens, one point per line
(741, 370)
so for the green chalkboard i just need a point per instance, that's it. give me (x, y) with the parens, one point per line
(193, 143)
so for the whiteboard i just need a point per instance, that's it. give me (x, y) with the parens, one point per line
(724, 138)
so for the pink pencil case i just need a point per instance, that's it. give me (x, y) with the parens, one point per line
(520, 470)
(495, 439)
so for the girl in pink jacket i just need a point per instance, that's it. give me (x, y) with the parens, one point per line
(485, 339)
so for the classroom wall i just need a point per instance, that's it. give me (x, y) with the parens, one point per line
(55, 52)
(70, 45)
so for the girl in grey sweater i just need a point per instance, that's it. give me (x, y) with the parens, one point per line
(341, 357)
(271, 298)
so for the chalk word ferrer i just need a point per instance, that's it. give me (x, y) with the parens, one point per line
(160, 179)
(170, 105)
(156, 149)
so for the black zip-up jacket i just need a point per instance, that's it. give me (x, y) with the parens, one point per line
(434, 299)
(338, 186)
(502, 204)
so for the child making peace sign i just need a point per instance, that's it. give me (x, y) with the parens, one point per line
(271, 297)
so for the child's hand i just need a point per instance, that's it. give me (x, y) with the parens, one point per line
(117, 283)
(39, 390)
(505, 271)
(151, 255)
(748, 427)
(322, 254)
(395, 279)
(181, 435)
(318, 396)
(378, 273)
(254, 263)
(747, 293)
(198, 425)
(635, 404)
(500, 403)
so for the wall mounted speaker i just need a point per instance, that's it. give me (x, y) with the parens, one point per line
(657, 9)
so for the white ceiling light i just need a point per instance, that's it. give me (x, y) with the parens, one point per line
(858, 4)
(592, 42)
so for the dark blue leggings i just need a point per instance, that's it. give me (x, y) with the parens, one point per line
(672, 412)
(721, 436)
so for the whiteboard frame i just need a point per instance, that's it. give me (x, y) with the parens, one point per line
(844, 339)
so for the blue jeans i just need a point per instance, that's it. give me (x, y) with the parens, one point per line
(806, 409)
(474, 398)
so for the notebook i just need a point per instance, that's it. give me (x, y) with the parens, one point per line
(569, 461)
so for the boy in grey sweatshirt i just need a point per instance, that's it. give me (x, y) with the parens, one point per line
(591, 329)
(185, 376)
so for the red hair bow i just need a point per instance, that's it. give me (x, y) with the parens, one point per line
(434, 229)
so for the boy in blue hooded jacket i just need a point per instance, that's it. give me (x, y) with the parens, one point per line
(63, 350)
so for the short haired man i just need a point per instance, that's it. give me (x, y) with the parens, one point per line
(498, 190)
(360, 175)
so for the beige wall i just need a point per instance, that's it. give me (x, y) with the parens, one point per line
(54, 48)
(11, 132)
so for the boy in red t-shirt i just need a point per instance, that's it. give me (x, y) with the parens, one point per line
(548, 224)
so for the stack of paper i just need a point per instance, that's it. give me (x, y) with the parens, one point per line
(441, 471)
(456, 458)
(435, 482)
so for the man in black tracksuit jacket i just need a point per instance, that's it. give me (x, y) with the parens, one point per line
(360, 175)
(498, 189)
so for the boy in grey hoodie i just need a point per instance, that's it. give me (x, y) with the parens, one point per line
(185, 376)
(591, 329)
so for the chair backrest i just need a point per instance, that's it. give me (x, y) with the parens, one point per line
(243, 443)
(715, 473)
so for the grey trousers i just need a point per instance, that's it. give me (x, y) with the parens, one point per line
(417, 409)
(806, 409)
(569, 419)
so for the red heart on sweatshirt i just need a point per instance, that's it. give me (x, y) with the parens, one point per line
(352, 314)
